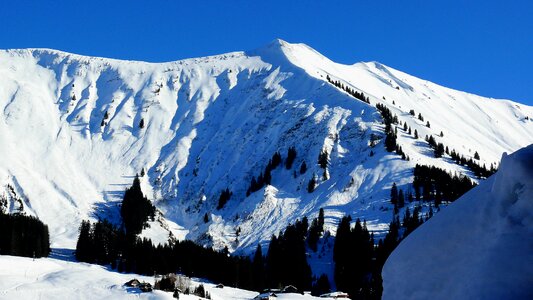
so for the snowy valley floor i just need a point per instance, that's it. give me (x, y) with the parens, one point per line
(59, 277)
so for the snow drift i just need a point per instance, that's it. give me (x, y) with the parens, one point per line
(480, 247)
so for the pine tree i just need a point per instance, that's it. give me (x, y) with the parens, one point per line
(321, 220)
(390, 141)
(321, 286)
(258, 269)
(439, 150)
(314, 235)
(311, 185)
(394, 194)
(225, 195)
(323, 158)
(276, 160)
(267, 177)
(401, 199)
(83, 246)
(291, 156)
(303, 168)
(136, 209)
(476, 155)
(342, 251)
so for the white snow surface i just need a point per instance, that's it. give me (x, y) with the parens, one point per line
(52, 278)
(479, 247)
(212, 123)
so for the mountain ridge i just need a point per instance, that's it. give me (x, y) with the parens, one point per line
(222, 117)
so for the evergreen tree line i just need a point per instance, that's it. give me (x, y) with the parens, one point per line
(357, 95)
(480, 171)
(439, 149)
(355, 269)
(22, 235)
(105, 244)
(285, 263)
(432, 183)
(286, 259)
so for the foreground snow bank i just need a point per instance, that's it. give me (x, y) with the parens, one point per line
(480, 247)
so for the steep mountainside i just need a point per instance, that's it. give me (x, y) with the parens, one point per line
(75, 130)
(477, 248)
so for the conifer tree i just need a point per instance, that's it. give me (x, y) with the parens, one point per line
(394, 194)
(225, 195)
(321, 220)
(401, 199)
(321, 286)
(276, 160)
(323, 158)
(476, 155)
(291, 156)
(258, 269)
(311, 185)
(136, 209)
(303, 168)
(83, 246)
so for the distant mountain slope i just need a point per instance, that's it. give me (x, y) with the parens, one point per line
(477, 248)
(72, 138)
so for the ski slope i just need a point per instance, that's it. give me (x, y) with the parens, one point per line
(72, 141)
(479, 247)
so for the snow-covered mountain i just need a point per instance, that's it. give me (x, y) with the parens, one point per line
(477, 248)
(71, 138)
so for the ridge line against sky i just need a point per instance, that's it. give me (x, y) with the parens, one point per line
(480, 47)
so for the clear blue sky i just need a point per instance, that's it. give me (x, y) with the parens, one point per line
(482, 47)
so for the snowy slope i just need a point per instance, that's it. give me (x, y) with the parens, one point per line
(212, 123)
(480, 247)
